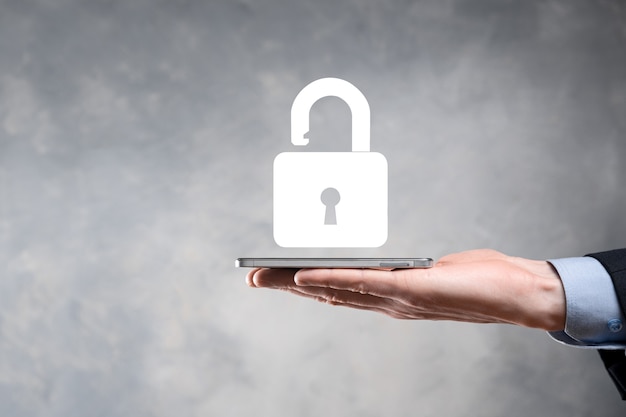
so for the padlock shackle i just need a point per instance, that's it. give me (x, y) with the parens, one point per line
(325, 87)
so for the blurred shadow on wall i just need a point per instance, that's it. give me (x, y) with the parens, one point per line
(616, 217)
(615, 236)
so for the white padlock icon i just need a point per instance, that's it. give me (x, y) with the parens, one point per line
(330, 199)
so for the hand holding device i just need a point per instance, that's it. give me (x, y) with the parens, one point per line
(481, 286)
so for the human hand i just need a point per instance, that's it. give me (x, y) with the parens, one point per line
(479, 286)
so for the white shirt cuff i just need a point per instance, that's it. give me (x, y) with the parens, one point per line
(593, 317)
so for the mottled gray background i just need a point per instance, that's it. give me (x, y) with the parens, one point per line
(136, 148)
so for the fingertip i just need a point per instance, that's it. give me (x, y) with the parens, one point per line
(250, 277)
(302, 276)
(298, 279)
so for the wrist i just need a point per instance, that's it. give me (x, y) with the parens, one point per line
(545, 307)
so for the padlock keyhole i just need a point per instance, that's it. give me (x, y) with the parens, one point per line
(330, 198)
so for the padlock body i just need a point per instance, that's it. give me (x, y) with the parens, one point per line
(361, 213)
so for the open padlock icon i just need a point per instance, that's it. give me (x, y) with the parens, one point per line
(330, 199)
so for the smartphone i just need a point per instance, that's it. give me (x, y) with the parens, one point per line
(333, 262)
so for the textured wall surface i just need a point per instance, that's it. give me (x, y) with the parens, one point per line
(136, 148)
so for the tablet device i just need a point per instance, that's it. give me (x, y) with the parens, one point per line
(334, 263)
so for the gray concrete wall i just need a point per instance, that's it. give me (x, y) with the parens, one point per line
(136, 148)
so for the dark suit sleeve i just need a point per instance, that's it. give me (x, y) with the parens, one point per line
(615, 360)
(615, 263)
